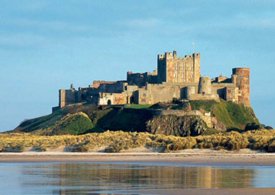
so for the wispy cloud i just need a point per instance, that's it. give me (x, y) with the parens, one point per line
(142, 23)
(54, 25)
(22, 41)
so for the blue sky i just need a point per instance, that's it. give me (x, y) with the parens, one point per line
(46, 45)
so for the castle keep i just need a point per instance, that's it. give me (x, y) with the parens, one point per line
(175, 78)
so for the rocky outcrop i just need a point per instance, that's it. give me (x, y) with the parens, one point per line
(176, 125)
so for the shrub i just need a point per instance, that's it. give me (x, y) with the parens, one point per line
(116, 147)
(211, 131)
(39, 148)
(79, 148)
(271, 145)
(16, 148)
(252, 126)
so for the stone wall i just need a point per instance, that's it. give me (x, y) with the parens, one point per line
(152, 93)
(214, 97)
(231, 94)
(220, 89)
(96, 84)
(112, 99)
(116, 87)
(140, 79)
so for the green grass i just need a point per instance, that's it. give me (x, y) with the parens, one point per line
(201, 104)
(138, 106)
(58, 123)
(125, 119)
(40, 122)
(232, 115)
(73, 124)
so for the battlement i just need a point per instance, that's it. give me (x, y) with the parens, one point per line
(96, 84)
(241, 71)
(173, 55)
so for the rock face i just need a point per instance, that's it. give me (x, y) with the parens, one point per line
(176, 125)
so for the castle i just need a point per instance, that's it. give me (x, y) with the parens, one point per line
(175, 78)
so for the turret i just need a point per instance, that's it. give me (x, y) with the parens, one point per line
(205, 86)
(196, 67)
(241, 78)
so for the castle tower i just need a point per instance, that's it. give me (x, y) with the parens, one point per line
(197, 67)
(172, 69)
(205, 86)
(62, 98)
(68, 96)
(241, 78)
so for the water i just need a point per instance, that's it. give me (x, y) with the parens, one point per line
(127, 178)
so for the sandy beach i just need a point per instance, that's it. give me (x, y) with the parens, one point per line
(204, 157)
(192, 157)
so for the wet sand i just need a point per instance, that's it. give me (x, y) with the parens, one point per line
(242, 191)
(203, 157)
(192, 157)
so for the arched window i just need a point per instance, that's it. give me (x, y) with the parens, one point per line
(109, 102)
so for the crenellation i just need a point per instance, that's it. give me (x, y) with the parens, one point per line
(175, 78)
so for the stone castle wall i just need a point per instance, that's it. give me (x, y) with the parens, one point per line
(113, 99)
(175, 78)
(154, 93)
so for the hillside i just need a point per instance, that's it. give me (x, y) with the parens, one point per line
(233, 116)
(81, 119)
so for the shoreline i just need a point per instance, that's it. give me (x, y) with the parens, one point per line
(220, 191)
(194, 157)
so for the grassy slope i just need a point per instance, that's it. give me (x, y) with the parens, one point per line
(58, 123)
(234, 116)
(40, 122)
(73, 124)
(130, 118)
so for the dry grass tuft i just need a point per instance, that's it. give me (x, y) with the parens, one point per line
(117, 141)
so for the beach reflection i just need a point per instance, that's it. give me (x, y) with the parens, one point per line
(122, 178)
